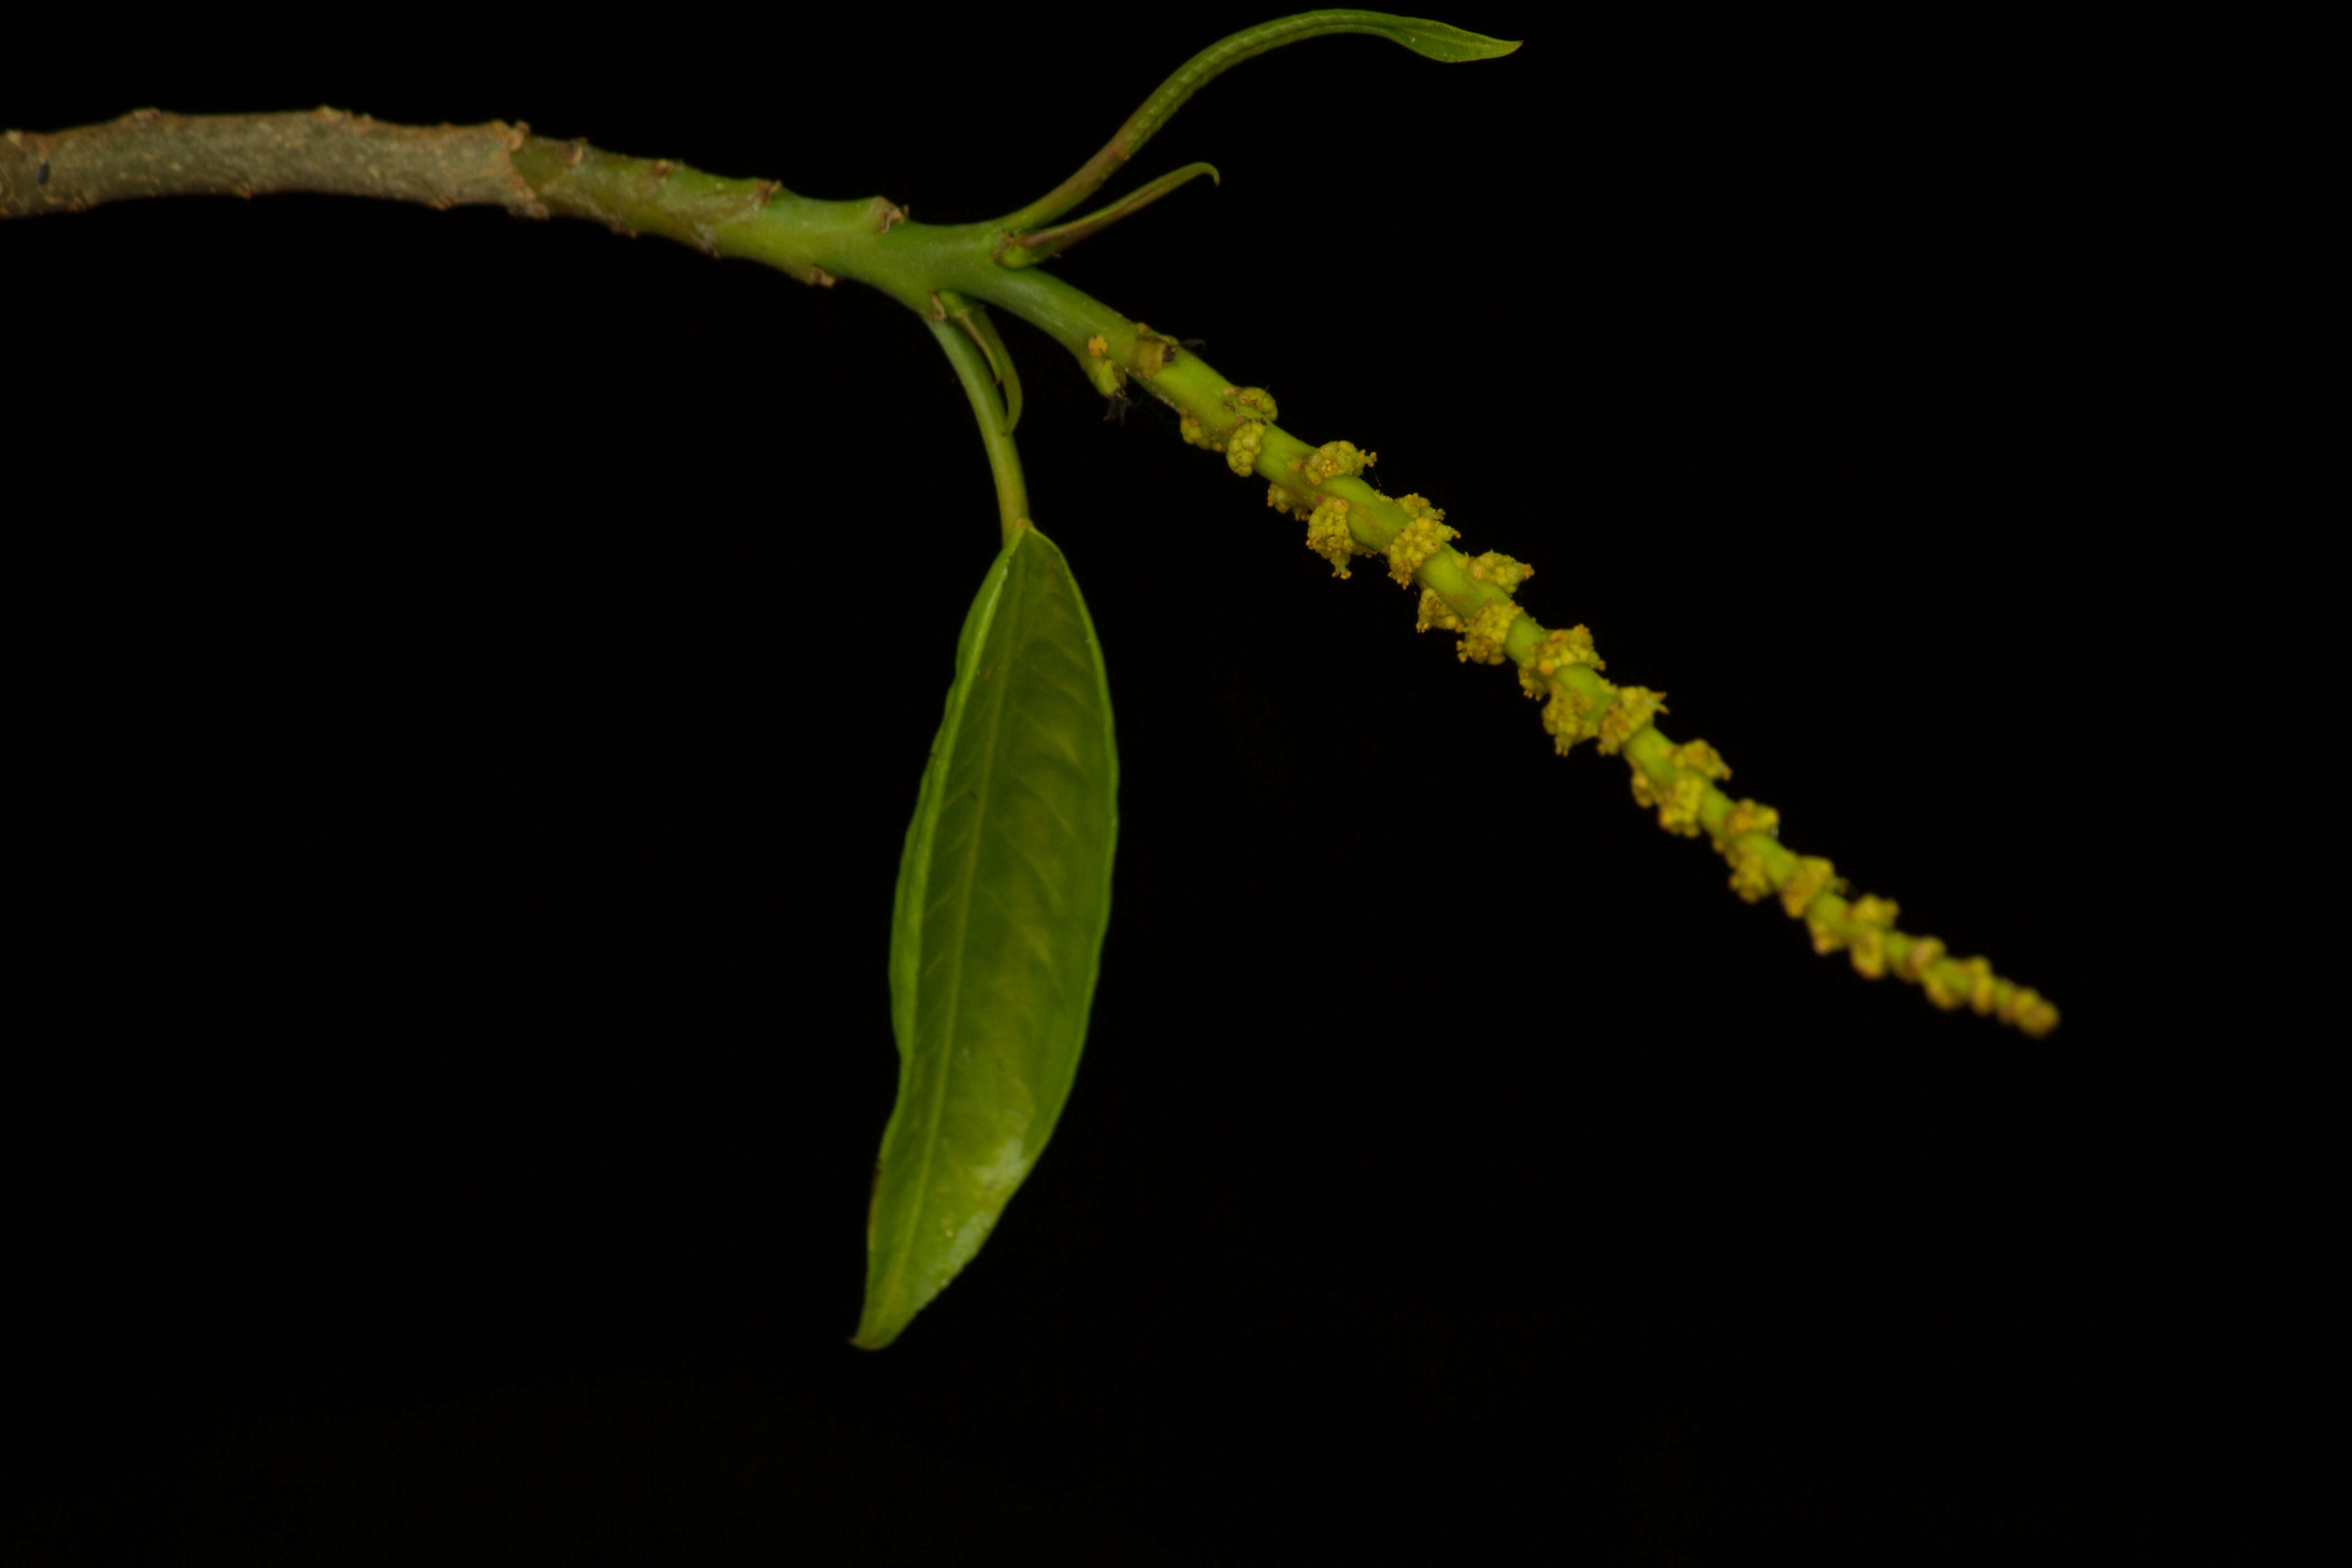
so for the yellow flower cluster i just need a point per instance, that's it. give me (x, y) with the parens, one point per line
(1336, 457)
(1611, 715)
(1558, 649)
(1501, 571)
(1749, 877)
(1282, 500)
(1628, 716)
(1701, 759)
(1482, 639)
(1242, 447)
(1678, 807)
(1251, 403)
(1811, 879)
(1573, 715)
(1693, 764)
(1328, 536)
(1435, 615)
(1868, 920)
(1410, 547)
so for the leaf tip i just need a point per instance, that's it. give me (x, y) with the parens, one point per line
(1478, 46)
(1450, 45)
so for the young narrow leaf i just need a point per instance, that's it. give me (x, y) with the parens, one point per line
(1433, 40)
(1003, 894)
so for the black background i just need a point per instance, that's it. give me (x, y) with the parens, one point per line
(478, 674)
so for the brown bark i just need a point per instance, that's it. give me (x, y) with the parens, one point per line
(150, 152)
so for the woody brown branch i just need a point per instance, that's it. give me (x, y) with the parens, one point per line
(149, 152)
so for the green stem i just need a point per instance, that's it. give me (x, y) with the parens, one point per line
(979, 385)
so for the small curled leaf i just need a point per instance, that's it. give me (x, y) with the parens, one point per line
(996, 936)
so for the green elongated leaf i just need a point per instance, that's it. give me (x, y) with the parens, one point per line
(1433, 40)
(1003, 895)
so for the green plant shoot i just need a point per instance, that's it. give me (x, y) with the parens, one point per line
(1004, 889)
